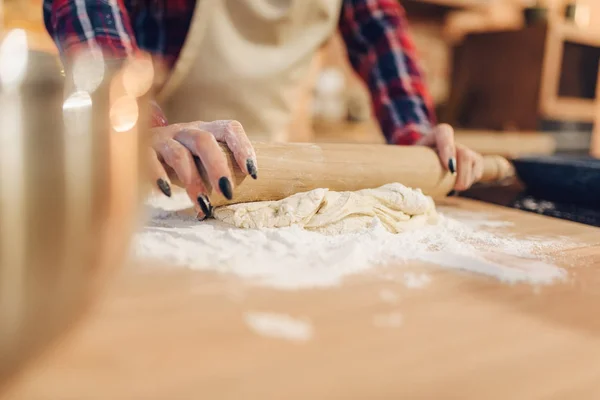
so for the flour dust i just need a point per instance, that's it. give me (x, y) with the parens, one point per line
(391, 320)
(292, 258)
(279, 326)
(388, 296)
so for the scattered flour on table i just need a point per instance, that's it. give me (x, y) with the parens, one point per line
(391, 320)
(279, 326)
(413, 280)
(293, 258)
(388, 296)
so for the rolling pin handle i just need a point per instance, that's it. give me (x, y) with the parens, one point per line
(496, 168)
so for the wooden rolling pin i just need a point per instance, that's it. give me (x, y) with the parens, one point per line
(286, 169)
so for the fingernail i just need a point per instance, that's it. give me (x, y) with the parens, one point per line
(205, 206)
(225, 187)
(251, 167)
(164, 187)
(452, 165)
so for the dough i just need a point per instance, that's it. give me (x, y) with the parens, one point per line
(397, 207)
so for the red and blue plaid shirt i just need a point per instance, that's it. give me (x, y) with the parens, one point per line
(375, 33)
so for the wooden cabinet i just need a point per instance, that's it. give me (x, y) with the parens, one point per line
(516, 79)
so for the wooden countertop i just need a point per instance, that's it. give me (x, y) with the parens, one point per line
(175, 334)
(454, 4)
(507, 144)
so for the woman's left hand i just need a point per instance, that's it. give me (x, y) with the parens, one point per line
(458, 159)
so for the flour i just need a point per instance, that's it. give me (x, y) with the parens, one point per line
(412, 280)
(391, 320)
(388, 296)
(279, 326)
(293, 258)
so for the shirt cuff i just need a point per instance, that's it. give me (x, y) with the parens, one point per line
(409, 134)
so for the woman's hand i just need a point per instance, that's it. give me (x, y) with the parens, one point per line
(455, 157)
(177, 145)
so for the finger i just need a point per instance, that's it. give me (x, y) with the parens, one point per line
(464, 171)
(446, 148)
(232, 133)
(158, 173)
(181, 160)
(477, 167)
(205, 146)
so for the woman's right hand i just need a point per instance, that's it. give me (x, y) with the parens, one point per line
(176, 146)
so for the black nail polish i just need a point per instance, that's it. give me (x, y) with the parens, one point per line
(225, 187)
(201, 217)
(205, 206)
(251, 167)
(164, 187)
(452, 165)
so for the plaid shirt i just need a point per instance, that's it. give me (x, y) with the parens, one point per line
(375, 33)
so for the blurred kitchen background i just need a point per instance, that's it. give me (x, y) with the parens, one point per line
(512, 66)
(520, 67)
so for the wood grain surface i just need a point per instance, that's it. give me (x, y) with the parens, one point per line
(509, 144)
(168, 333)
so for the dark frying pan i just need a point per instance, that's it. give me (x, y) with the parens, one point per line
(561, 178)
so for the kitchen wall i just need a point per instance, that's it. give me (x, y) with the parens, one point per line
(27, 14)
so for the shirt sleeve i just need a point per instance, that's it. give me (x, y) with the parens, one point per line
(77, 24)
(94, 25)
(383, 54)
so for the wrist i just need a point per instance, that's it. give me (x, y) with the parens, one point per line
(158, 117)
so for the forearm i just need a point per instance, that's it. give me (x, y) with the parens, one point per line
(383, 54)
(158, 116)
(99, 27)
(94, 25)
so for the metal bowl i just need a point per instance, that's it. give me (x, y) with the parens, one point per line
(69, 191)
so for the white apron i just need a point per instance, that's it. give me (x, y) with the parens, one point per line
(252, 61)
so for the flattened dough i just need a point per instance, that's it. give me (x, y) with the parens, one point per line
(397, 207)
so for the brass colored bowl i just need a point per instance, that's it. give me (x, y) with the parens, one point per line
(70, 189)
